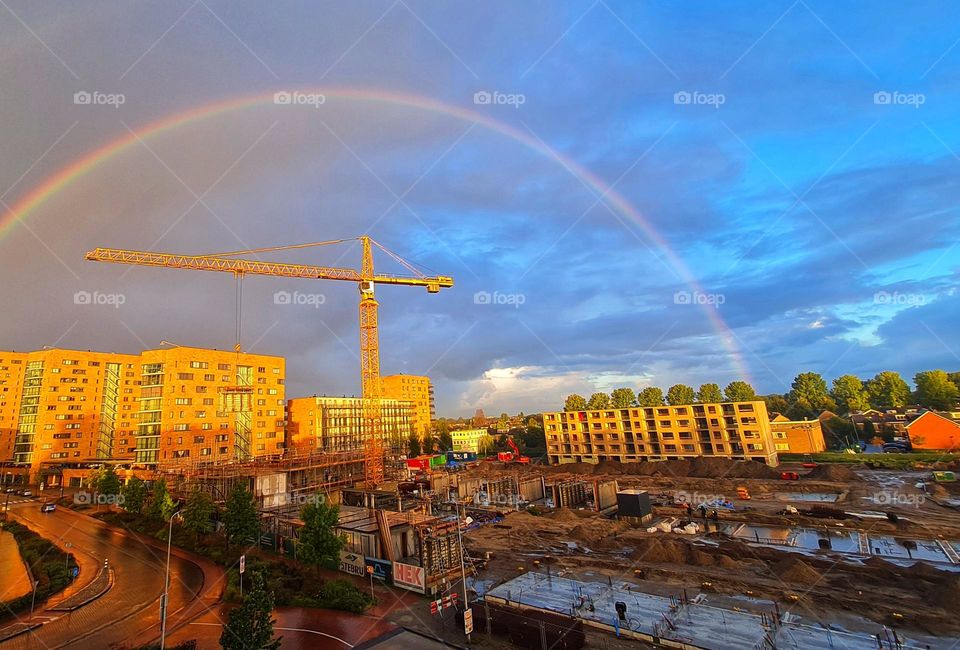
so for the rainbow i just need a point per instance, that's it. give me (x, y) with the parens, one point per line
(31, 202)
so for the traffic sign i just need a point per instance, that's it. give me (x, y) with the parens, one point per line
(243, 563)
(467, 621)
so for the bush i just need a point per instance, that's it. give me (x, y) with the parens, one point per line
(343, 595)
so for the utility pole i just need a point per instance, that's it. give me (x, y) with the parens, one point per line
(463, 568)
(166, 587)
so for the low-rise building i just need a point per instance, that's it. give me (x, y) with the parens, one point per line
(475, 440)
(892, 422)
(797, 436)
(932, 430)
(737, 430)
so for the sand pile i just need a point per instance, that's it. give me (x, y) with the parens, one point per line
(834, 472)
(793, 570)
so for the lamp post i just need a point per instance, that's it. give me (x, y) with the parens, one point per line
(166, 585)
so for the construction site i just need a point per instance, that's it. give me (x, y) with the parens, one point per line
(699, 553)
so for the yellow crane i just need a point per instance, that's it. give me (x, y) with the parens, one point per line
(366, 278)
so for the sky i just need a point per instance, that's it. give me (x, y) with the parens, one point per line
(625, 193)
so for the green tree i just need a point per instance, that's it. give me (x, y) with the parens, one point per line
(534, 438)
(709, 394)
(869, 431)
(413, 445)
(811, 388)
(935, 390)
(680, 394)
(485, 444)
(575, 403)
(134, 495)
(622, 398)
(650, 396)
(776, 404)
(801, 409)
(598, 402)
(161, 504)
(105, 481)
(849, 394)
(319, 543)
(739, 391)
(839, 432)
(503, 422)
(250, 626)
(887, 390)
(197, 512)
(955, 378)
(240, 520)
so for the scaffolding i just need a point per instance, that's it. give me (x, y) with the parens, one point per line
(305, 474)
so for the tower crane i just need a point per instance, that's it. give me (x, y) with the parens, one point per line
(366, 279)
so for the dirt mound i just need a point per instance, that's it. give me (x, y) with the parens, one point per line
(924, 570)
(653, 549)
(565, 514)
(793, 570)
(727, 562)
(833, 472)
(594, 533)
(946, 593)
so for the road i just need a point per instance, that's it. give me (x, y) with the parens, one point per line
(129, 612)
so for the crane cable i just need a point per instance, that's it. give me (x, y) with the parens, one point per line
(239, 301)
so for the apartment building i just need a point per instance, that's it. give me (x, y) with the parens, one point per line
(737, 430)
(199, 405)
(797, 436)
(59, 407)
(419, 390)
(66, 405)
(335, 424)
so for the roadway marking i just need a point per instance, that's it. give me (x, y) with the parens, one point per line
(290, 629)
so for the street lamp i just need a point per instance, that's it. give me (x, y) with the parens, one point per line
(166, 585)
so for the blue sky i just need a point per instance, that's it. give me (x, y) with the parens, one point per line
(800, 159)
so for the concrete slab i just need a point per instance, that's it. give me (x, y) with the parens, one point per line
(696, 624)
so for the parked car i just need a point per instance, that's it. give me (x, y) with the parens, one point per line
(9, 490)
(896, 448)
(48, 507)
(27, 493)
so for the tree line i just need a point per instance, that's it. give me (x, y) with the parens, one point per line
(809, 394)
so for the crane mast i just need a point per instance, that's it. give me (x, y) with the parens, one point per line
(372, 432)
